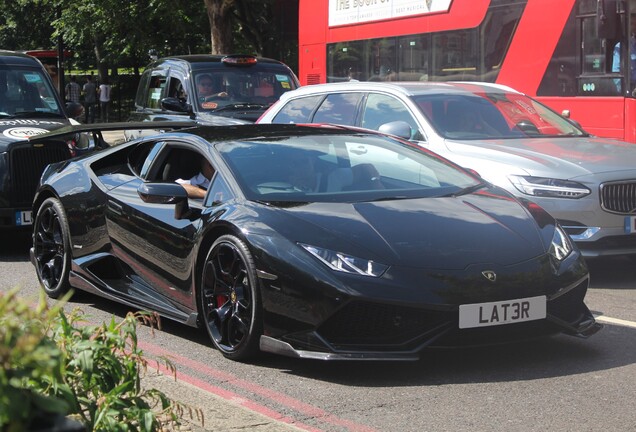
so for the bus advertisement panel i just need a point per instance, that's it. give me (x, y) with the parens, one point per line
(571, 55)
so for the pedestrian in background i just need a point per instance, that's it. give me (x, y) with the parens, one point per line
(104, 100)
(73, 90)
(90, 99)
(616, 60)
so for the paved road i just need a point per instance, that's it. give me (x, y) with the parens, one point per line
(556, 384)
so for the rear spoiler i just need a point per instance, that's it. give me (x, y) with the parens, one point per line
(117, 126)
(87, 137)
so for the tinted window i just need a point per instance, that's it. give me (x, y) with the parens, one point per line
(382, 109)
(297, 110)
(338, 168)
(219, 191)
(339, 108)
(140, 98)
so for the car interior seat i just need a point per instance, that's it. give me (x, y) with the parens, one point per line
(181, 164)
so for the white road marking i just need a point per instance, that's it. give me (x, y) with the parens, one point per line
(610, 320)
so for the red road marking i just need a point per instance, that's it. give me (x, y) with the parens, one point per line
(280, 398)
(237, 399)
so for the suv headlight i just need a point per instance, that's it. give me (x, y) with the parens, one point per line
(548, 187)
(346, 263)
(561, 245)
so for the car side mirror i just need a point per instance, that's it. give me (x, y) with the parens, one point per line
(174, 104)
(168, 193)
(74, 109)
(398, 128)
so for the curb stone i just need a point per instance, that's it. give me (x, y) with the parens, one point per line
(219, 414)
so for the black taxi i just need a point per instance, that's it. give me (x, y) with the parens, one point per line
(211, 89)
(29, 105)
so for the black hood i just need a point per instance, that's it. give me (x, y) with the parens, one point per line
(427, 232)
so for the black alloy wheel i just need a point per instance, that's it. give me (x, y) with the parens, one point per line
(51, 246)
(230, 299)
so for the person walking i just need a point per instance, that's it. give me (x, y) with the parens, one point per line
(104, 100)
(90, 99)
(73, 90)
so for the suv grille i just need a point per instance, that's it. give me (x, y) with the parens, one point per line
(619, 197)
(27, 165)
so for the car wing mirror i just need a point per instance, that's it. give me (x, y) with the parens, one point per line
(74, 109)
(398, 128)
(169, 193)
(174, 104)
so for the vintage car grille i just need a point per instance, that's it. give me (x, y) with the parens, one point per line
(619, 197)
(27, 165)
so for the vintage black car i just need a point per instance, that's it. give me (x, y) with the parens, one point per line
(211, 89)
(29, 105)
(311, 241)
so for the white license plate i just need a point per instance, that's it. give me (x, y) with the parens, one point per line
(630, 224)
(502, 312)
(23, 218)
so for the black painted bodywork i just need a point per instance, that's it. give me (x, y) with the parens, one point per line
(22, 163)
(141, 254)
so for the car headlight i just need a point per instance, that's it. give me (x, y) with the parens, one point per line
(548, 187)
(346, 263)
(561, 245)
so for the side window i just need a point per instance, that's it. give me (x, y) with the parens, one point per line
(178, 163)
(141, 98)
(297, 110)
(339, 108)
(176, 89)
(382, 109)
(455, 55)
(219, 192)
(155, 91)
(141, 157)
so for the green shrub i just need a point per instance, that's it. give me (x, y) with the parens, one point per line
(55, 364)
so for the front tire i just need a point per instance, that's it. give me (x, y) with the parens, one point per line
(230, 299)
(52, 248)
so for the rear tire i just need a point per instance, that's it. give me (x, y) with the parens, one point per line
(229, 299)
(52, 248)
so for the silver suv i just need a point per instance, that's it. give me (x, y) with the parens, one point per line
(511, 140)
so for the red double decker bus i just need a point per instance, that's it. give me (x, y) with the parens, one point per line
(573, 55)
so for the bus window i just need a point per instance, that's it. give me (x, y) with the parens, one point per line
(455, 55)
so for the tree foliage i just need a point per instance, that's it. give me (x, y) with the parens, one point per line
(104, 34)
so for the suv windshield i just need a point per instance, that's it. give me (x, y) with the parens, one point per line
(233, 88)
(493, 115)
(26, 92)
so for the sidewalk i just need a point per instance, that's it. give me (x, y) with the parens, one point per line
(226, 413)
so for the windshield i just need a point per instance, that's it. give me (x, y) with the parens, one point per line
(492, 115)
(26, 92)
(340, 168)
(241, 88)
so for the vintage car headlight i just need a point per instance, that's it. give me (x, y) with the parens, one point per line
(346, 263)
(548, 187)
(561, 245)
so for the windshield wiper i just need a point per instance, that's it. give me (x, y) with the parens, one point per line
(40, 114)
(239, 106)
(465, 191)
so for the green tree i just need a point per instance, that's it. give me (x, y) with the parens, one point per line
(106, 34)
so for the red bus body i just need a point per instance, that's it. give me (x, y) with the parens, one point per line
(558, 51)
